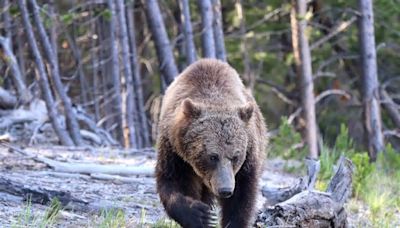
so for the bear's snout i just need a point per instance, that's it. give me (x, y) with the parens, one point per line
(223, 181)
(225, 192)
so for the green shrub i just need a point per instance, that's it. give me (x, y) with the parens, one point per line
(285, 143)
(363, 169)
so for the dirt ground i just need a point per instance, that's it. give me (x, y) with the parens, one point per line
(138, 198)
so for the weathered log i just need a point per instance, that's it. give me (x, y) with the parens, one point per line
(35, 195)
(311, 208)
(277, 195)
(86, 168)
(44, 196)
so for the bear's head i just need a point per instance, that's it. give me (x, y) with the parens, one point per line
(214, 142)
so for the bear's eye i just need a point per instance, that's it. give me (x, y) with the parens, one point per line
(214, 157)
(235, 159)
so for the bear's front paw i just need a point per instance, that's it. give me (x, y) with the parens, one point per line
(200, 215)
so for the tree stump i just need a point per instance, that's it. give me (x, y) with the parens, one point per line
(301, 206)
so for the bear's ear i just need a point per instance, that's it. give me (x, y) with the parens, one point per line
(246, 111)
(191, 109)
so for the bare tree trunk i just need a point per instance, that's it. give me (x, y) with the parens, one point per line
(128, 98)
(372, 113)
(115, 74)
(249, 78)
(71, 121)
(95, 69)
(24, 95)
(43, 81)
(207, 35)
(20, 53)
(302, 57)
(138, 85)
(6, 42)
(7, 20)
(190, 48)
(218, 31)
(165, 55)
(53, 29)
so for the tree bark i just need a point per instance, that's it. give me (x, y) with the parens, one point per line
(302, 57)
(165, 55)
(24, 95)
(249, 78)
(43, 80)
(190, 48)
(207, 35)
(218, 31)
(138, 85)
(113, 45)
(71, 121)
(128, 99)
(370, 90)
(95, 68)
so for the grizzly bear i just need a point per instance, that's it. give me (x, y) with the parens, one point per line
(210, 147)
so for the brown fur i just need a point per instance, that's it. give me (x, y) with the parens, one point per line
(209, 122)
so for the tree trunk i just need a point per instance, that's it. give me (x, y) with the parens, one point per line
(43, 80)
(122, 121)
(24, 95)
(207, 35)
(190, 48)
(372, 113)
(128, 98)
(249, 78)
(165, 55)
(71, 121)
(95, 69)
(138, 85)
(302, 57)
(218, 31)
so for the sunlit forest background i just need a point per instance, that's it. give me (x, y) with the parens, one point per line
(93, 73)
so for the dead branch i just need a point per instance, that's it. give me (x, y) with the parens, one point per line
(118, 179)
(36, 112)
(318, 98)
(391, 107)
(106, 138)
(336, 30)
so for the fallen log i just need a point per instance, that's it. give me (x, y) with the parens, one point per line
(45, 196)
(277, 195)
(310, 208)
(86, 168)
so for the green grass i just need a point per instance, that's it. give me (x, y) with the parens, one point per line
(165, 223)
(376, 186)
(27, 218)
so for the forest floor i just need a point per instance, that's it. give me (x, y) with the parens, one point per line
(135, 196)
